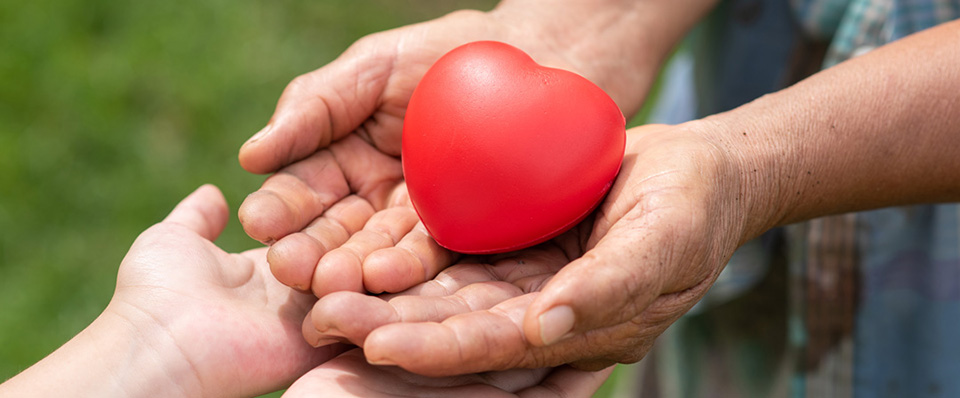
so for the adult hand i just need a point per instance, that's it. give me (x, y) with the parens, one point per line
(596, 295)
(685, 198)
(335, 135)
(350, 375)
(187, 319)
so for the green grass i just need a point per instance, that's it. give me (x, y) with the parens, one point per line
(111, 111)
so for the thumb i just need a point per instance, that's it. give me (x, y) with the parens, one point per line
(610, 284)
(320, 107)
(204, 211)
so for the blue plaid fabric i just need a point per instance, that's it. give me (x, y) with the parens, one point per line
(854, 26)
(872, 302)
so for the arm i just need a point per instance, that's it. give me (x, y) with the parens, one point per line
(617, 44)
(879, 130)
(110, 358)
(187, 319)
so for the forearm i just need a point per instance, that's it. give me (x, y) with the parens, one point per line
(110, 358)
(618, 44)
(876, 131)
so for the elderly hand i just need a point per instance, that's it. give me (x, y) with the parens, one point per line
(596, 295)
(188, 319)
(335, 135)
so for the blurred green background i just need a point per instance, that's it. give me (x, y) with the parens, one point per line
(112, 111)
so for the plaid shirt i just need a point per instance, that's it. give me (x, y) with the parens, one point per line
(854, 26)
(872, 303)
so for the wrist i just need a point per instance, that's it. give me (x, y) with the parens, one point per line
(111, 357)
(617, 44)
(875, 131)
(757, 164)
(147, 360)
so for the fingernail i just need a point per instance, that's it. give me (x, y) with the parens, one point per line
(556, 324)
(381, 362)
(324, 341)
(260, 134)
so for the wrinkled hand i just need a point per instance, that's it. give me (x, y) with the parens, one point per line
(335, 135)
(598, 294)
(349, 375)
(231, 328)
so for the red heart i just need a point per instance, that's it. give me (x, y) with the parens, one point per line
(500, 153)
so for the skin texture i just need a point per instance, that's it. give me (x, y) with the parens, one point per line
(334, 138)
(656, 244)
(610, 270)
(671, 222)
(188, 319)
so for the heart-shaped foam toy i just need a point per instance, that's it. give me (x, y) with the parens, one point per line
(501, 153)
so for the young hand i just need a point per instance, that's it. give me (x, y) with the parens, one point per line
(187, 319)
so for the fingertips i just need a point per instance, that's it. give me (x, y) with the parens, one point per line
(294, 259)
(415, 259)
(605, 287)
(468, 343)
(422, 341)
(384, 229)
(265, 217)
(204, 211)
(310, 114)
(294, 197)
(337, 271)
(347, 316)
(256, 155)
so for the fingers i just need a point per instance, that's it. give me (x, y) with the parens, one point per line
(479, 341)
(416, 258)
(342, 268)
(476, 340)
(350, 316)
(644, 255)
(292, 198)
(600, 289)
(372, 174)
(301, 192)
(293, 259)
(526, 270)
(320, 107)
(204, 211)
(568, 382)
(466, 287)
(468, 343)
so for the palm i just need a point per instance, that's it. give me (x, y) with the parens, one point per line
(655, 217)
(339, 130)
(231, 320)
(366, 90)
